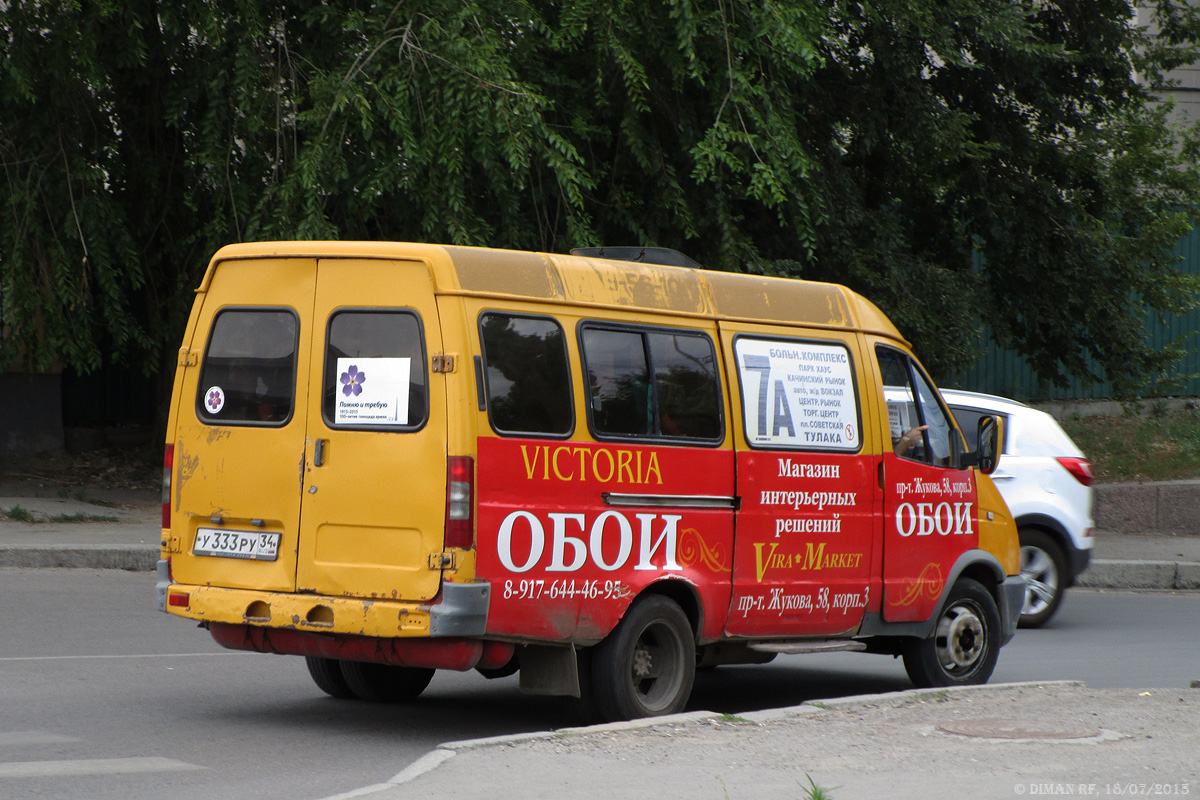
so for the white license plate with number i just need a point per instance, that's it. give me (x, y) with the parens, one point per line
(236, 544)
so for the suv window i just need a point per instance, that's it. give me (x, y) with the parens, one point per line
(375, 371)
(248, 376)
(527, 375)
(968, 422)
(652, 383)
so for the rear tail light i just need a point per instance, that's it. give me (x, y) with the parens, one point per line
(460, 501)
(168, 462)
(1081, 468)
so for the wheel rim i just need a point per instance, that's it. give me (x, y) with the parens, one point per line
(1041, 579)
(656, 666)
(961, 639)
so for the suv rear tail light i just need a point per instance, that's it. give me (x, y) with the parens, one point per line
(460, 501)
(168, 462)
(1081, 468)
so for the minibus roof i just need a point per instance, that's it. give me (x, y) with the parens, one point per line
(603, 283)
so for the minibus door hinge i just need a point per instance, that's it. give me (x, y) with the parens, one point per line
(443, 363)
(438, 561)
(171, 544)
(187, 357)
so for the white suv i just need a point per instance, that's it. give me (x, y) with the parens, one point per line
(1046, 482)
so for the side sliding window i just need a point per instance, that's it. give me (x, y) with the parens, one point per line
(526, 375)
(651, 384)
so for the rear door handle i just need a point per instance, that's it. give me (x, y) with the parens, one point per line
(319, 452)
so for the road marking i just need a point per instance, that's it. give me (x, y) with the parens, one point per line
(136, 655)
(10, 738)
(92, 766)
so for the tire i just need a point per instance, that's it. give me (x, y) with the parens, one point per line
(327, 675)
(382, 683)
(1044, 566)
(646, 666)
(965, 642)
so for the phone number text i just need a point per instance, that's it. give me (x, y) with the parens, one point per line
(535, 589)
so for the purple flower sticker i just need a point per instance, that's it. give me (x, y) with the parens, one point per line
(352, 381)
(215, 399)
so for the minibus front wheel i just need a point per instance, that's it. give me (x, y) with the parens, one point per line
(965, 642)
(646, 666)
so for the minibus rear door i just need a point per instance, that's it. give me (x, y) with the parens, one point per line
(374, 483)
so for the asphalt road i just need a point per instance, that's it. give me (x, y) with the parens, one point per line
(103, 697)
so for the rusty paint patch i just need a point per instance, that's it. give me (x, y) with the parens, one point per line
(187, 466)
(214, 435)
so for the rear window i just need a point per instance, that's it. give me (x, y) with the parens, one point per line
(1038, 434)
(375, 371)
(248, 376)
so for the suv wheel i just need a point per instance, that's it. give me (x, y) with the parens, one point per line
(1045, 569)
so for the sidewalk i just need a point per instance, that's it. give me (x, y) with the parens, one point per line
(1006, 740)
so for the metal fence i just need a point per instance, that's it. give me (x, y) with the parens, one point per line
(1005, 373)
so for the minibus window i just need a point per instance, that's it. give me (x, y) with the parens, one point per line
(527, 376)
(798, 394)
(248, 376)
(912, 403)
(685, 378)
(375, 371)
(618, 381)
(939, 427)
(656, 384)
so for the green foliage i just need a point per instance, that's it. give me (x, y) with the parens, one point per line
(18, 514)
(1157, 446)
(960, 163)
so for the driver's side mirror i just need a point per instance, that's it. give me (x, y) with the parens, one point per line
(987, 447)
(987, 451)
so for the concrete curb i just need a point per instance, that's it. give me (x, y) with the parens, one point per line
(135, 558)
(1163, 575)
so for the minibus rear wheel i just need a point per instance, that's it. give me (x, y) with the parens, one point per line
(965, 642)
(327, 675)
(383, 683)
(647, 665)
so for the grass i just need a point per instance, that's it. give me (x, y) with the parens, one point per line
(81, 517)
(815, 792)
(18, 514)
(1152, 446)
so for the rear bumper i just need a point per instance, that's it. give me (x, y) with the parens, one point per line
(455, 653)
(1079, 560)
(1012, 600)
(459, 610)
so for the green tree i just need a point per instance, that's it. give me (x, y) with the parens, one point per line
(960, 162)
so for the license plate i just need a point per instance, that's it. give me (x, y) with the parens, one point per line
(236, 544)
